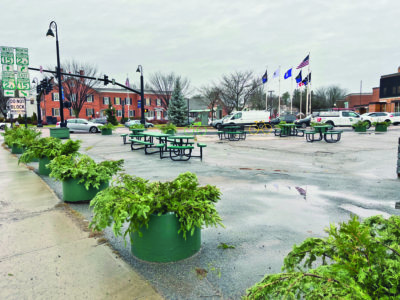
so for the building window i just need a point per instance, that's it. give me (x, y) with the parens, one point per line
(55, 112)
(384, 91)
(89, 112)
(55, 97)
(394, 91)
(131, 113)
(89, 98)
(150, 114)
(397, 107)
(117, 101)
(128, 101)
(148, 101)
(158, 102)
(119, 113)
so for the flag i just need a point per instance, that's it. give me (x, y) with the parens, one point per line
(265, 77)
(127, 82)
(288, 74)
(309, 77)
(276, 73)
(304, 63)
(305, 81)
(298, 77)
(300, 84)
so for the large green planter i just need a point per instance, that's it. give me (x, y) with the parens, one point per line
(16, 150)
(73, 191)
(360, 129)
(161, 242)
(60, 133)
(381, 128)
(106, 131)
(42, 166)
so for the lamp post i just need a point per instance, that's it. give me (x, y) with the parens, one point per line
(142, 120)
(51, 33)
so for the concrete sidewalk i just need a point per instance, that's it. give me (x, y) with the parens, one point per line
(46, 252)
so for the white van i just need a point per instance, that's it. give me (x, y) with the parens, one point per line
(248, 117)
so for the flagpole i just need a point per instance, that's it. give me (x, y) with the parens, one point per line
(300, 101)
(309, 81)
(266, 92)
(128, 95)
(279, 93)
(291, 100)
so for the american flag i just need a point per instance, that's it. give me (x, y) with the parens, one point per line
(304, 63)
(300, 84)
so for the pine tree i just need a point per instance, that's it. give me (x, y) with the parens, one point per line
(177, 108)
(110, 113)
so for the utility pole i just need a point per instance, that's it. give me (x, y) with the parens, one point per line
(270, 95)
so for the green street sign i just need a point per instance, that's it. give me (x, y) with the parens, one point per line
(7, 74)
(7, 55)
(23, 84)
(9, 93)
(23, 75)
(8, 84)
(22, 69)
(23, 93)
(21, 56)
(8, 68)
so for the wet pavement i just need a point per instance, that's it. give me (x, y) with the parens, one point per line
(275, 192)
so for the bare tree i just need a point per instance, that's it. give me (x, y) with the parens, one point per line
(162, 85)
(213, 96)
(76, 89)
(257, 99)
(237, 89)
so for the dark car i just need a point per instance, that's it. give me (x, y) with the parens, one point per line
(100, 120)
(303, 123)
(285, 118)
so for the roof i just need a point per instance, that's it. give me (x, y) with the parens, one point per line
(119, 91)
(197, 103)
(391, 75)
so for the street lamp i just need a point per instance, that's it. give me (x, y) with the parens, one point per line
(140, 70)
(51, 33)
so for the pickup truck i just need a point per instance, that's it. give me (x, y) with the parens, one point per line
(337, 118)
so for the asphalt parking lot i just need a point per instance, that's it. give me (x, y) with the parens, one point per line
(275, 192)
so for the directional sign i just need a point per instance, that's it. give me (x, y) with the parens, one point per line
(7, 55)
(9, 93)
(16, 106)
(23, 75)
(22, 69)
(21, 56)
(23, 84)
(8, 84)
(24, 93)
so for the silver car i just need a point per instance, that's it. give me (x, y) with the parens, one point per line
(82, 125)
(137, 122)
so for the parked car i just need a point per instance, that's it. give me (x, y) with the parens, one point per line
(137, 122)
(218, 123)
(285, 118)
(81, 125)
(396, 118)
(343, 118)
(2, 126)
(247, 117)
(377, 117)
(100, 120)
(303, 123)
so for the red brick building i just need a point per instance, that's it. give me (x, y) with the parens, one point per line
(385, 98)
(98, 100)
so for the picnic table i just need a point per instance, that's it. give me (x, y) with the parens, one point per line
(232, 133)
(148, 142)
(137, 130)
(323, 132)
(288, 130)
(180, 139)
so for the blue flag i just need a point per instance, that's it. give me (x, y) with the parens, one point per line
(288, 74)
(298, 78)
(265, 77)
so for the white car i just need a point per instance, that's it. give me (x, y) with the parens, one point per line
(396, 118)
(377, 117)
(82, 125)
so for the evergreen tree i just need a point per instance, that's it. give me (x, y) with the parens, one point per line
(177, 108)
(111, 115)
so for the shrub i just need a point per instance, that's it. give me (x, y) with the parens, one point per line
(168, 128)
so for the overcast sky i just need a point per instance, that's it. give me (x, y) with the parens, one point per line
(348, 40)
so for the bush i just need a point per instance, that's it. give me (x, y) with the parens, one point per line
(123, 120)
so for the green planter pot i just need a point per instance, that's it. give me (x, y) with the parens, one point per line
(161, 242)
(16, 150)
(42, 166)
(60, 133)
(381, 128)
(106, 131)
(170, 132)
(73, 191)
(360, 129)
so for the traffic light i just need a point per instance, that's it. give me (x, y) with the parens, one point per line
(38, 88)
(67, 104)
(49, 88)
(106, 81)
(146, 110)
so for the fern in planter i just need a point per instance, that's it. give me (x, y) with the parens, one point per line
(49, 147)
(133, 200)
(137, 126)
(20, 136)
(168, 128)
(107, 126)
(360, 124)
(387, 124)
(84, 168)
